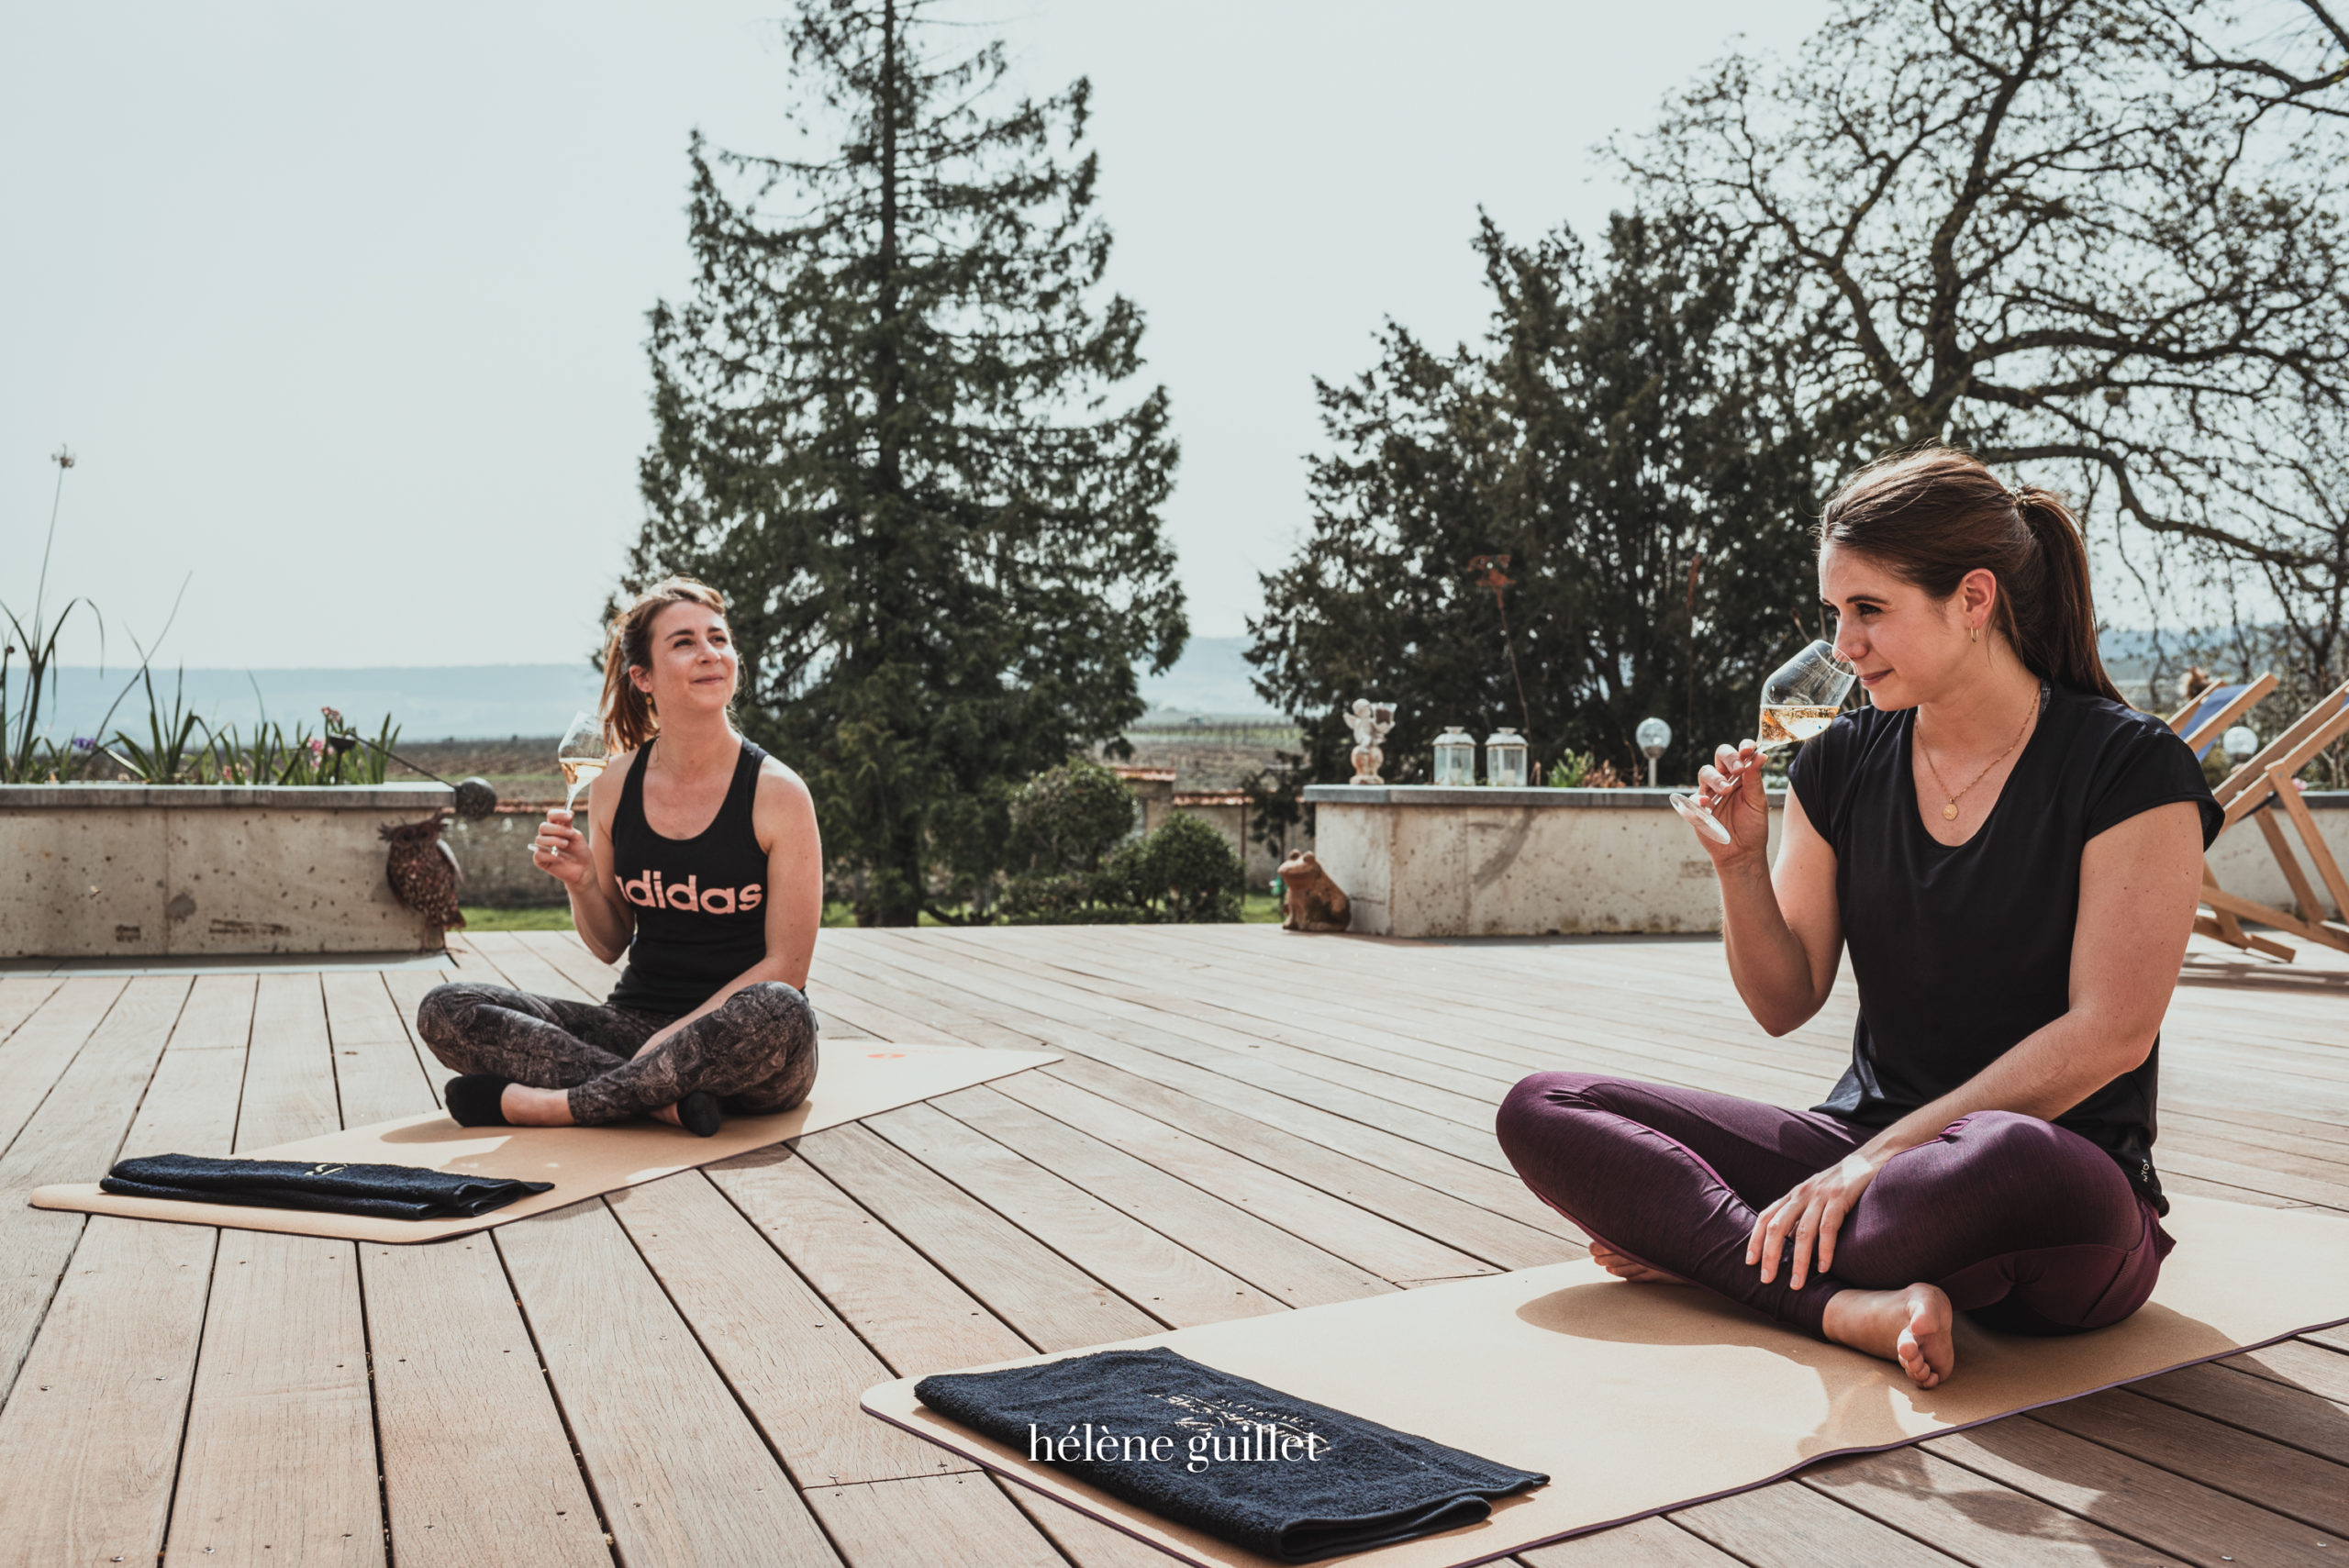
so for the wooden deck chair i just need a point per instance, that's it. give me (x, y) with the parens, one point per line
(2260, 788)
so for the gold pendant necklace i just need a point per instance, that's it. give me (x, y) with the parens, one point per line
(1949, 810)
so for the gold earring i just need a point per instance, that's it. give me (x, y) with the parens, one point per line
(1977, 632)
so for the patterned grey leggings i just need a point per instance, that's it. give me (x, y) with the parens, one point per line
(756, 1052)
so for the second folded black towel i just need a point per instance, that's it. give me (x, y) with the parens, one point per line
(383, 1192)
(1244, 1462)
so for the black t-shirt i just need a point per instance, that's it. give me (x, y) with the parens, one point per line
(1961, 951)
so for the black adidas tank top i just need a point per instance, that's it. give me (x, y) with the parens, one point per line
(700, 903)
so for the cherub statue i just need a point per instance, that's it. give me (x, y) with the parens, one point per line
(1370, 722)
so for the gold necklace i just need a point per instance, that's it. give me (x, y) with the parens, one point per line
(1949, 811)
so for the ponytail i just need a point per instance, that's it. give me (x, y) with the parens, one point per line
(2051, 622)
(629, 716)
(1934, 515)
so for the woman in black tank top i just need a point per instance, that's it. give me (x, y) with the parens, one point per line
(704, 870)
(2012, 854)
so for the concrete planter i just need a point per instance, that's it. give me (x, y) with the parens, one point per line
(1422, 860)
(1430, 860)
(189, 869)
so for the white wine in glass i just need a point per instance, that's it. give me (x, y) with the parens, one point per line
(581, 754)
(1799, 700)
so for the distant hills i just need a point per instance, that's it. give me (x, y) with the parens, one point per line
(473, 702)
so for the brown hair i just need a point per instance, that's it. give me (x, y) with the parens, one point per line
(1936, 514)
(628, 719)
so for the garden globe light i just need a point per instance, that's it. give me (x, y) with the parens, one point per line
(2240, 742)
(1653, 734)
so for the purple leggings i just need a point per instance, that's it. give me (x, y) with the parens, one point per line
(2030, 1228)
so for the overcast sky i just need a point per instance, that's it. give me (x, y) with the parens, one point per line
(342, 308)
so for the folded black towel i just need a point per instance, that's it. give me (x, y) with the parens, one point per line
(1246, 1463)
(385, 1191)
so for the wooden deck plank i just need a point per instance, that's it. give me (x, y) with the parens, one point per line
(455, 1374)
(1653, 1542)
(914, 1315)
(1226, 1122)
(74, 1135)
(793, 1364)
(90, 1439)
(949, 1520)
(1462, 1130)
(1053, 1303)
(2257, 1470)
(1289, 1269)
(42, 1047)
(21, 996)
(2297, 1363)
(682, 1475)
(2295, 1417)
(2126, 1496)
(279, 1461)
(1791, 1525)
(1349, 1230)
(1225, 1079)
(1171, 1283)
(1971, 1517)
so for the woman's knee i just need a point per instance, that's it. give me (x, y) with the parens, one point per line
(1538, 1102)
(773, 1007)
(444, 1016)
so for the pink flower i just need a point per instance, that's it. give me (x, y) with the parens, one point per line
(318, 748)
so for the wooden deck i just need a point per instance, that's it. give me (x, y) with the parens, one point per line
(1245, 1121)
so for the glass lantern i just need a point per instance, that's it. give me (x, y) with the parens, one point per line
(2239, 743)
(1505, 759)
(1455, 758)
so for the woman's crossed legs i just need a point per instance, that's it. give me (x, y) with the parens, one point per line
(2027, 1226)
(756, 1051)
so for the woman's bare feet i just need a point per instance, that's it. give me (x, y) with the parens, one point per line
(1622, 1266)
(525, 1107)
(1910, 1326)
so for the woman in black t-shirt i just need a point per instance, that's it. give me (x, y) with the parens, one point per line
(2012, 855)
(705, 869)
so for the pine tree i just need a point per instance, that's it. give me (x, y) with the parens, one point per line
(894, 427)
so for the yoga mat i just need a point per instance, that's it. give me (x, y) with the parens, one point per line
(851, 1082)
(1638, 1398)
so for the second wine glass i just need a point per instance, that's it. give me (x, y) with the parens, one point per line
(1800, 698)
(581, 754)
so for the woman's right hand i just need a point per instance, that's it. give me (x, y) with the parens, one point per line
(1731, 788)
(560, 851)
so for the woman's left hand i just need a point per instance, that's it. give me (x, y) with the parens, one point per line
(1809, 1215)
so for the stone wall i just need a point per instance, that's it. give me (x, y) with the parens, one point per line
(1420, 861)
(123, 869)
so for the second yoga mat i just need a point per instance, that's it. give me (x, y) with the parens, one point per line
(1635, 1399)
(851, 1082)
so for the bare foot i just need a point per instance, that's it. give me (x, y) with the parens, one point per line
(523, 1106)
(1910, 1326)
(1622, 1266)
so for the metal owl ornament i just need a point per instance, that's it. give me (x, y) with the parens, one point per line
(423, 871)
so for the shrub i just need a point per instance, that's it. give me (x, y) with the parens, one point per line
(1184, 872)
(1069, 818)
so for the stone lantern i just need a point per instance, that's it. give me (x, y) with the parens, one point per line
(1505, 759)
(1455, 757)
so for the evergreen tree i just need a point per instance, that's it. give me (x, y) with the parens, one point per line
(1623, 425)
(893, 428)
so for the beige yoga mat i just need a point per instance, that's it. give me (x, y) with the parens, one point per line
(1637, 1398)
(851, 1082)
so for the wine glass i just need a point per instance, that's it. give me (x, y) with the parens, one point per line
(1800, 698)
(581, 754)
